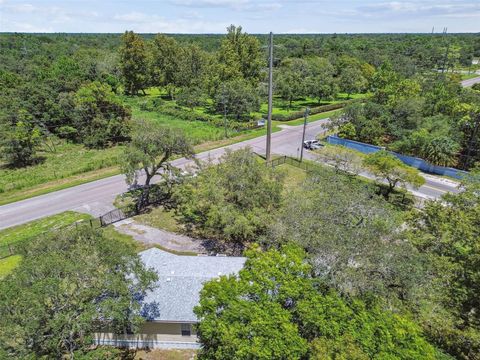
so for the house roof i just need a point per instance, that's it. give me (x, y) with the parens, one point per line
(180, 279)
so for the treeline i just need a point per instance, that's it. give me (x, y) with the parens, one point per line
(64, 89)
(71, 85)
(430, 116)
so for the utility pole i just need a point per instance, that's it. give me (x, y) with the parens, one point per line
(445, 59)
(270, 99)
(305, 115)
(224, 100)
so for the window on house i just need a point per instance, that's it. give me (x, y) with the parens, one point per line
(186, 329)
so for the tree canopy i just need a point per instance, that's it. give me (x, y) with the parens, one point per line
(231, 201)
(273, 310)
(70, 284)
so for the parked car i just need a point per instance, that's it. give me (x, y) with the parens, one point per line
(312, 144)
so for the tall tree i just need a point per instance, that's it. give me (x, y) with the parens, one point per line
(19, 142)
(448, 231)
(272, 310)
(133, 63)
(387, 167)
(329, 215)
(291, 79)
(351, 80)
(321, 82)
(69, 285)
(99, 116)
(150, 150)
(237, 98)
(240, 56)
(233, 201)
(166, 55)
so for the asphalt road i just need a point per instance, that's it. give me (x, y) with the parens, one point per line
(97, 197)
(470, 82)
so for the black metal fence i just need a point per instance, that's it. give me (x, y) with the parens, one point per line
(291, 161)
(117, 215)
(10, 249)
(7, 250)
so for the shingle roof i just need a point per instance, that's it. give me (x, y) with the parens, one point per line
(181, 278)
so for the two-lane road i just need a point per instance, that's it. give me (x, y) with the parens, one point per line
(97, 197)
(471, 82)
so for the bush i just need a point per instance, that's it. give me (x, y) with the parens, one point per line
(187, 115)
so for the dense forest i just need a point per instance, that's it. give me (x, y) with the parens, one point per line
(338, 267)
(78, 87)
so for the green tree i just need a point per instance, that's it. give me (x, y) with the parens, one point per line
(19, 143)
(232, 201)
(272, 310)
(329, 215)
(448, 231)
(133, 63)
(351, 80)
(321, 82)
(166, 54)
(387, 167)
(441, 151)
(240, 56)
(289, 85)
(344, 160)
(69, 285)
(290, 79)
(150, 151)
(191, 97)
(99, 116)
(237, 98)
(383, 81)
(370, 122)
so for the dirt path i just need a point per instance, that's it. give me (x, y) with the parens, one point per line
(168, 240)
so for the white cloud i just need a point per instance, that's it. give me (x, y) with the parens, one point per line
(237, 5)
(20, 8)
(421, 8)
(151, 23)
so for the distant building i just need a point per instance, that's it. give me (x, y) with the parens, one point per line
(475, 61)
(168, 309)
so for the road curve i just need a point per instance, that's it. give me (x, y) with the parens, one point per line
(470, 82)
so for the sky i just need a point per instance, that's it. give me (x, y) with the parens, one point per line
(255, 16)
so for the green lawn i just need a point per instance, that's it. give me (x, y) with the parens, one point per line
(294, 176)
(73, 164)
(469, 76)
(197, 131)
(35, 228)
(160, 218)
(29, 231)
(7, 265)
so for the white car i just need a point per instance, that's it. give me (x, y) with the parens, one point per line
(312, 144)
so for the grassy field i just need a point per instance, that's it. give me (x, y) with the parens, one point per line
(294, 176)
(31, 230)
(160, 218)
(162, 354)
(28, 231)
(71, 164)
(469, 76)
(7, 265)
